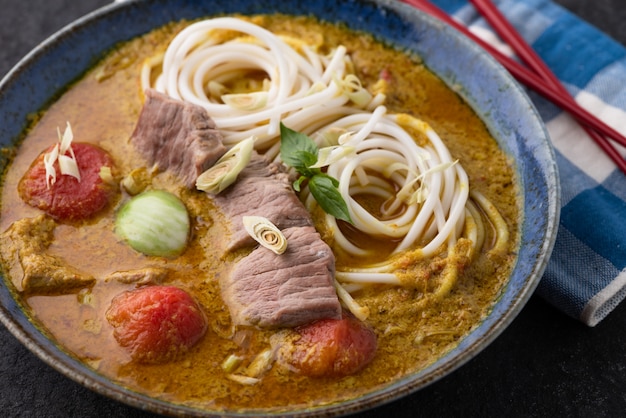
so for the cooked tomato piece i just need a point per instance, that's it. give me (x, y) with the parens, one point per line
(156, 324)
(329, 347)
(68, 198)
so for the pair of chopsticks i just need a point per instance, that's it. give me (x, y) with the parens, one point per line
(537, 76)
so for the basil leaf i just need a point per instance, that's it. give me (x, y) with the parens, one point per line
(333, 180)
(324, 190)
(297, 185)
(300, 152)
(306, 160)
(297, 149)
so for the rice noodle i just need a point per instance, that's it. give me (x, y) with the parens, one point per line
(426, 192)
(380, 143)
(298, 87)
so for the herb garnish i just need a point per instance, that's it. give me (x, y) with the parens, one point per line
(300, 152)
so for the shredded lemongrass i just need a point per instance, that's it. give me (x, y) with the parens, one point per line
(67, 163)
(246, 101)
(232, 363)
(106, 175)
(329, 155)
(136, 181)
(244, 380)
(261, 363)
(48, 160)
(351, 86)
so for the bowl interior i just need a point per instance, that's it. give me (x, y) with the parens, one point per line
(487, 87)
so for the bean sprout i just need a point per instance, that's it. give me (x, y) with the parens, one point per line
(296, 88)
(427, 202)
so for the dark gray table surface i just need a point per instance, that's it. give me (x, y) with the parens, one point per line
(544, 365)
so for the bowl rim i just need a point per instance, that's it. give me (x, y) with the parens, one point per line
(36, 341)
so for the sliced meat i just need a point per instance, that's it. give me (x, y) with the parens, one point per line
(269, 290)
(262, 189)
(265, 289)
(177, 136)
(33, 270)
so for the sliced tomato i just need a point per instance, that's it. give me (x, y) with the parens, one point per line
(329, 347)
(156, 324)
(68, 198)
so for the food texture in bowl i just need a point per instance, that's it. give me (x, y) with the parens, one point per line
(270, 212)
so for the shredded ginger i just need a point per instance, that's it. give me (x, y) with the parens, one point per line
(67, 163)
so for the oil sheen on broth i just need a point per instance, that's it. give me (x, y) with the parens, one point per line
(413, 327)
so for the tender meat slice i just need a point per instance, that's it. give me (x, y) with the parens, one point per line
(32, 270)
(177, 136)
(262, 189)
(269, 290)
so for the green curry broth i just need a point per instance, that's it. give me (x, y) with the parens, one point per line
(413, 330)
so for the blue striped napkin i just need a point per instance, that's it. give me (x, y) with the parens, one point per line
(586, 275)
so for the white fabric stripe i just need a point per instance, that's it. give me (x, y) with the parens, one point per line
(604, 301)
(492, 39)
(574, 143)
(611, 115)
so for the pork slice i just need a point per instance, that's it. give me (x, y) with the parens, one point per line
(297, 287)
(177, 136)
(262, 189)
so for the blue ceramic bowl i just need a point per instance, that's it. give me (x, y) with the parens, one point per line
(486, 86)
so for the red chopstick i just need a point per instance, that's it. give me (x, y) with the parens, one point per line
(530, 57)
(554, 92)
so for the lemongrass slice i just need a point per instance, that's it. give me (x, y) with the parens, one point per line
(351, 86)
(232, 363)
(68, 166)
(265, 233)
(246, 101)
(48, 161)
(67, 163)
(261, 363)
(227, 168)
(244, 380)
(106, 175)
(332, 154)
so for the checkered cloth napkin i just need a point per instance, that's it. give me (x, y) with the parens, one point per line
(586, 275)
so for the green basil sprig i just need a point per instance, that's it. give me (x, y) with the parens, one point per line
(300, 152)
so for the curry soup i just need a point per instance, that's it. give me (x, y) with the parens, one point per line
(415, 324)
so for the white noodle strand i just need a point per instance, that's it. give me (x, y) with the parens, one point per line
(424, 190)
